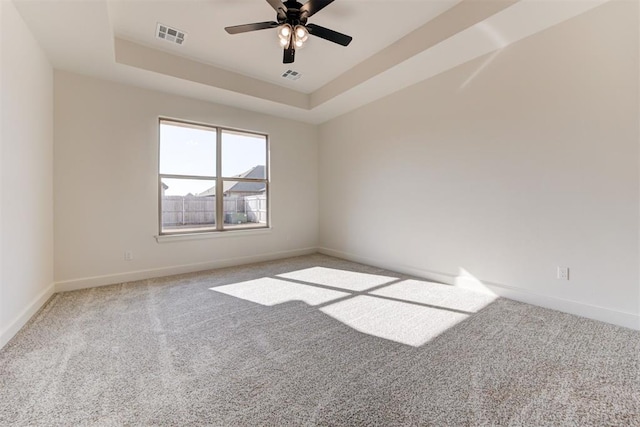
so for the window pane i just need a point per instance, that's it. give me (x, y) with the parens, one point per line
(244, 155)
(187, 205)
(245, 204)
(187, 150)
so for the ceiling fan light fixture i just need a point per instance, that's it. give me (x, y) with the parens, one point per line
(299, 36)
(284, 31)
(285, 35)
(301, 33)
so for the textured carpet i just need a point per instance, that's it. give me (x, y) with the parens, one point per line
(313, 341)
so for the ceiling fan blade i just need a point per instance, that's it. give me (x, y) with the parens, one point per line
(327, 34)
(278, 6)
(289, 55)
(313, 6)
(251, 27)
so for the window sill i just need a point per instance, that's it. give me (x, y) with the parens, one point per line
(166, 238)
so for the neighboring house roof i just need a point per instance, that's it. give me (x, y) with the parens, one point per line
(209, 192)
(257, 172)
(246, 187)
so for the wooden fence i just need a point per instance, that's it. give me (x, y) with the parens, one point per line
(192, 210)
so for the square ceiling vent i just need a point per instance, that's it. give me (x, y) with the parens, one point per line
(291, 75)
(170, 34)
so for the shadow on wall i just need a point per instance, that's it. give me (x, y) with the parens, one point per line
(410, 312)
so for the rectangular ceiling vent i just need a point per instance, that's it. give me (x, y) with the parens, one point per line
(291, 75)
(169, 34)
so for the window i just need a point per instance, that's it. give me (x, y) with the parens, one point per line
(211, 179)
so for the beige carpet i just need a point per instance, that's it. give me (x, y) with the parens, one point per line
(313, 341)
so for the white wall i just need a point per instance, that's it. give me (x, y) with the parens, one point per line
(106, 197)
(26, 174)
(505, 167)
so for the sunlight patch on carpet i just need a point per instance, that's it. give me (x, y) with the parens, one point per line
(348, 280)
(436, 294)
(410, 312)
(409, 324)
(269, 292)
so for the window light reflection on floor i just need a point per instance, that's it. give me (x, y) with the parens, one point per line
(409, 324)
(349, 280)
(410, 312)
(436, 294)
(269, 292)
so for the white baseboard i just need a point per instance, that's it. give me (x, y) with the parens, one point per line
(131, 276)
(620, 318)
(25, 315)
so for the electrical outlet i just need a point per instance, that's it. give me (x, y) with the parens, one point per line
(563, 273)
(128, 256)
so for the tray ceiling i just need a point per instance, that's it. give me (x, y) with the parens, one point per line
(396, 44)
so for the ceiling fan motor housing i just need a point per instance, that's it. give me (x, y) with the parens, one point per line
(292, 16)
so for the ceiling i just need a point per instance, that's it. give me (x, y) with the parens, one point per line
(257, 54)
(395, 44)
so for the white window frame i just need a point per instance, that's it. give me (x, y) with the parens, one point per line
(219, 180)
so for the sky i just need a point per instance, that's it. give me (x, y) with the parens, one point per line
(192, 151)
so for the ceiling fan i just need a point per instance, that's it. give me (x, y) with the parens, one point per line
(293, 30)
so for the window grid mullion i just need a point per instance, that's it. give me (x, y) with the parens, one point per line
(195, 177)
(245, 179)
(219, 182)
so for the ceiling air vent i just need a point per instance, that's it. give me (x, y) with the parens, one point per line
(291, 75)
(169, 34)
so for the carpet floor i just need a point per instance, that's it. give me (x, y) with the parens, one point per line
(313, 340)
